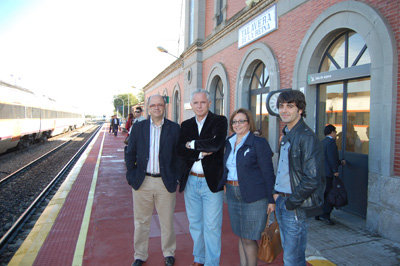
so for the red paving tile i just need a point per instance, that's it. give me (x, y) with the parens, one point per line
(110, 234)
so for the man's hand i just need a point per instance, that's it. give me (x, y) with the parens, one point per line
(187, 145)
(275, 196)
(204, 154)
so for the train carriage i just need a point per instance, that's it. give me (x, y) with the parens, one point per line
(26, 117)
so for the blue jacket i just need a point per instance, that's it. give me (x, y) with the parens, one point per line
(254, 169)
(331, 154)
(137, 155)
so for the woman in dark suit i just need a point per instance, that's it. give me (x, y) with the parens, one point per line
(249, 179)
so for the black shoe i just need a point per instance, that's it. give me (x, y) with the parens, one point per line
(137, 262)
(317, 218)
(328, 221)
(169, 261)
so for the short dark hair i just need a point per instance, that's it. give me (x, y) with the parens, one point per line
(293, 96)
(139, 109)
(329, 129)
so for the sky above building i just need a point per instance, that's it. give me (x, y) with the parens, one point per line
(85, 51)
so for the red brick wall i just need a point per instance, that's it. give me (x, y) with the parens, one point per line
(209, 17)
(285, 44)
(233, 7)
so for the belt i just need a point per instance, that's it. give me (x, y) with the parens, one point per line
(195, 174)
(284, 194)
(233, 183)
(153, 175)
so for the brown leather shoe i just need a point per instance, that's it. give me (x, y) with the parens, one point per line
(196, 264)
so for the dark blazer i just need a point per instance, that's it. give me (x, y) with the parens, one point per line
(254, 169)
(137, 155)
(211, 139)
(331, 156)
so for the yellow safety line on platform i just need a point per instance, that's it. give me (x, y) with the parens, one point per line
(80, 245)
(319, 261)
(28, 251)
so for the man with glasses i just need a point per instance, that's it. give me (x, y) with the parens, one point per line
(152, 170)
(201, 145)
(138, 115)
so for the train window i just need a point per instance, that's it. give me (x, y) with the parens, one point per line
(35, 113)
(28, 112)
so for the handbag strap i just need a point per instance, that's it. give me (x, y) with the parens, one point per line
(267, 223)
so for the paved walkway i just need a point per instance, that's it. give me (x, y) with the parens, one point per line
(90, 222)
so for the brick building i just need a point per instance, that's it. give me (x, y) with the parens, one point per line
(343, 55)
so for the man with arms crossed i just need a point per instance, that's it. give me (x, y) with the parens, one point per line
(300, 183)
(152, 170)
(201, 144)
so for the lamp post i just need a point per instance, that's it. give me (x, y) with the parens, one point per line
(163, 50)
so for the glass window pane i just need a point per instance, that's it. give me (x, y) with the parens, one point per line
(177, 107)
(331, 109)
(358, 109)
(356, 44)
(219, 98)
(337, 51)
(264, 117)
(256, 81)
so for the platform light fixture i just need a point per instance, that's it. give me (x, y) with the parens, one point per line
(163, 50)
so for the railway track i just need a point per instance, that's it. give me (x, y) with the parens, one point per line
(18, 205)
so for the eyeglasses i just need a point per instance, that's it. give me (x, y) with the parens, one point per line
(240, 122)
(159, 105)
(138, 112)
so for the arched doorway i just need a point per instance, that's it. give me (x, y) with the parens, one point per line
(344, 101)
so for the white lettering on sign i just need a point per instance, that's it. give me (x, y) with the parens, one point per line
(258, 27)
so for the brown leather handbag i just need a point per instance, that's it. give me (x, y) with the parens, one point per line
(270, 244)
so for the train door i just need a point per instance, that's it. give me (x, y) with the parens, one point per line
(345, 103)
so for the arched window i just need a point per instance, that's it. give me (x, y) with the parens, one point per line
(344, 102)
(259, 87)
(177, 107)
(219, 97)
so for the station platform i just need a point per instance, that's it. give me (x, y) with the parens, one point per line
(90, 219)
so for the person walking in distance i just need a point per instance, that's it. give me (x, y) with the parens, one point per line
(152, 171)
(300, 183)
(332, 164)
(201, 145)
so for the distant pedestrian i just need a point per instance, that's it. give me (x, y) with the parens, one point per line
(332, 164)
(115, 125)
(153, 170)
(129, 122)
(300, 183)
(249, 179)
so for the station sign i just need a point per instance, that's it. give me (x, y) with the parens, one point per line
(260, 26)
(340, 74)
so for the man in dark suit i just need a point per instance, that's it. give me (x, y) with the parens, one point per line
(332, 163)
(201, 145)
(115, 125)
(153, 170)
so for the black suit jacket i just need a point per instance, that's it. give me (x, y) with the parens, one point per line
(137, 155)
(331, 156)
(211, 139)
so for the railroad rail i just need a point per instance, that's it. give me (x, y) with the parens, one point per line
(15, 228)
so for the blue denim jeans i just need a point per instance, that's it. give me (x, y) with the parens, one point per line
(293, 228)
(204, 211)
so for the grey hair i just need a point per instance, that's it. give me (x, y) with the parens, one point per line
(151, 96)
(200, 90)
